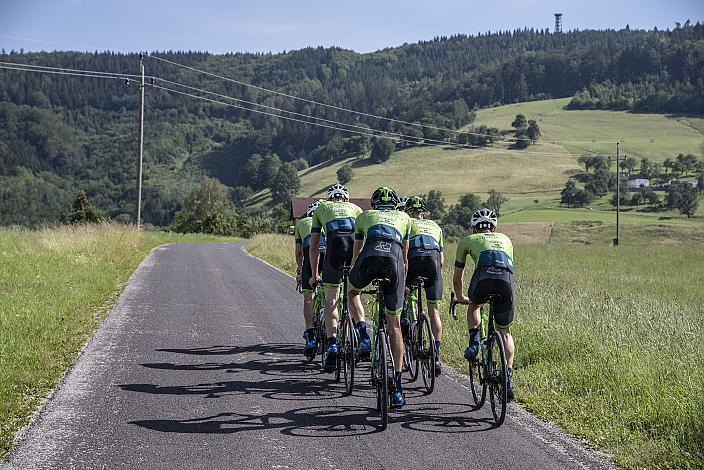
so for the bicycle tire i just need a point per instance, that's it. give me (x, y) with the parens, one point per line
(410, 354)
(497, 376)
(425, 348)
(382, 378)
(346, 358)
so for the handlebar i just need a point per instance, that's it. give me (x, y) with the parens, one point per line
(453, 304)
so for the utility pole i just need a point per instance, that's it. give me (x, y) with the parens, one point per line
(141, 140)
(618, 195)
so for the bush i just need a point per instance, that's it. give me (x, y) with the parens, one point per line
(344, 174)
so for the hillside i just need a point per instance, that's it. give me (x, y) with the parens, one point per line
(523, 176)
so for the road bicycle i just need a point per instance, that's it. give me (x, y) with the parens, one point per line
(488, 371)
(382, 367)
(347, 337)
(419, 351)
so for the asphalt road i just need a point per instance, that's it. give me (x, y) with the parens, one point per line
(200, 366)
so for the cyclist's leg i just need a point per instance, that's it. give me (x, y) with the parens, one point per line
(332, 278)
(358, 279)
(476, 297)
(504, 312)
(307, 291)
(433, 294)
(393, 297)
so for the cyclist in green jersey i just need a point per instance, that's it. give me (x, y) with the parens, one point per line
(381, 251)
(426, 259)
(336, 217)
(302, 235)
(492, 253)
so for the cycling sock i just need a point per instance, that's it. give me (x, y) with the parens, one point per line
(397, 380)
(473, 333)
(361, 326)
(332, 340)
(437, 349)
(309, 334)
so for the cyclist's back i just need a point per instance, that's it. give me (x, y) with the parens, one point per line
(383, 232)
(336, 219)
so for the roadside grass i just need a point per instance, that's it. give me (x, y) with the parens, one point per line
(610, 340)
(56, 286)
(656, 136)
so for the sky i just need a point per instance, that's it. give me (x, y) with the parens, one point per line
(220, 26)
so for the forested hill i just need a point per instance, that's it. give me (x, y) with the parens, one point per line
(60, 134)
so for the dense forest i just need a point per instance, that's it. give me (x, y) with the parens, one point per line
(62, 134)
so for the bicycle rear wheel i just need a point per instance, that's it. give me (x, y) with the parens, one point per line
(381, 375)
(425, 349)
(346, 356)
(496, 376)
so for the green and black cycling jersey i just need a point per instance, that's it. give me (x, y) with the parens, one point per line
(333, 217)
(302, 233)
(382, 225)
(425, 235)
(486, 249)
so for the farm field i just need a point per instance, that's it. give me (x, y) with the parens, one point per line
(609, 342)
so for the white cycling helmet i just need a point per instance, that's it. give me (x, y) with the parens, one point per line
(311, 208)
(338, 190)
(484, 219)
(401, 203)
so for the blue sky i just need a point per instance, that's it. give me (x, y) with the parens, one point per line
(269, 25)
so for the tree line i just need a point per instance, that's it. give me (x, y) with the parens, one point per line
(62, 134)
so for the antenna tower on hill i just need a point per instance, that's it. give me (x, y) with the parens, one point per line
(558, 22)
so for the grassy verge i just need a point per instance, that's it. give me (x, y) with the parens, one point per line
(610, 341)
(56, 285)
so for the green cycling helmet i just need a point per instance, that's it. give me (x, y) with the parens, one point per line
(384, 197)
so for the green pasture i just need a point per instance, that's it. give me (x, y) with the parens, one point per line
(655, 136)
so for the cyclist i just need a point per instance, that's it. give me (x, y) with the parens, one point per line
(426, 258)
(302, 234)
(492, 253)
(336, 218)
(381, 250)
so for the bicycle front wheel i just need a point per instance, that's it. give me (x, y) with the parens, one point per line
(477, 382)
(381, 376)
(497, 376)
(347, 353)
(425, 348)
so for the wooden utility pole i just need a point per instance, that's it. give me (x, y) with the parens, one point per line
(141, 141)
(618, 194)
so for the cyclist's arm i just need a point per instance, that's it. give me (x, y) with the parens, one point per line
(442, 259)
(299, 257)
(405, 255)
(356, 249)
(457, 281)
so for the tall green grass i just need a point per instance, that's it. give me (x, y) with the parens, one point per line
(56, 285)
(610, 342)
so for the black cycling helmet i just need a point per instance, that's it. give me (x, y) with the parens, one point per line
(384, 197)
(416, 204)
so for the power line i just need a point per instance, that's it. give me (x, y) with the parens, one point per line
(252, 103)
(69, 70)
(56, 72)
(414, 139)
(318, 103)
(339, 108)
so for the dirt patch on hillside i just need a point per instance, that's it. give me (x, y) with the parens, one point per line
(523, 233)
